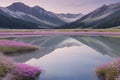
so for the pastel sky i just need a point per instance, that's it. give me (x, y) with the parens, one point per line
(63, 6)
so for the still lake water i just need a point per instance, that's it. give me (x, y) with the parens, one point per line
(70, 57)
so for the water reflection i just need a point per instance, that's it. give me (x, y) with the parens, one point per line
(70, 63)
(47, 44)
(70, 57)
(106, 45)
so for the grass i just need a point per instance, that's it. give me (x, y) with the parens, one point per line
(25, 72)
(7, 38)
(109, 71)
(16, 71)
(2, 70)
(106, 73)
(5, 67)
(11, 50)
(11, 34)
(60, 30)
(10, 47)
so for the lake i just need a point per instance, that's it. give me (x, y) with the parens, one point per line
(69, 57)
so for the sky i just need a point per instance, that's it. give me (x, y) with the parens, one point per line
(63, 6)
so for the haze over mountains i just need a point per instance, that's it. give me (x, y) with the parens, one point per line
(20, 16)
(33, 17)
(107, 16)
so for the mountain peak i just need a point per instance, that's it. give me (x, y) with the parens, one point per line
(38, 8)
(104, 5)
(18, 6)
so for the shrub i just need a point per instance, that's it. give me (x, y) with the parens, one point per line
(110, 71)
(9, 46)
(24, 72)
(5, 68)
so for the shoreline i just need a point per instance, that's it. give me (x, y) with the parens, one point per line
(45, 33)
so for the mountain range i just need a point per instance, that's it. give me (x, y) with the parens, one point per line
(20, 16)
(107, 16)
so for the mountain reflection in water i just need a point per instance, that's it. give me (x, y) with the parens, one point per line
(70, 57)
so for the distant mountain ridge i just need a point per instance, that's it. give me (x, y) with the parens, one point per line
(36, 15)
(107, 16)
(20, 16)
(69, 17)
